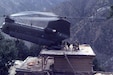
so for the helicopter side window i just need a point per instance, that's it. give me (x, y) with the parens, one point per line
(49, 30)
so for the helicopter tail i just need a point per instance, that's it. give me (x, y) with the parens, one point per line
(61, 26)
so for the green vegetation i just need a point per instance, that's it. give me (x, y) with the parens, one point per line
(96, 66)
(111, 13)
(12, 50)
(8, 52)
(35, 50)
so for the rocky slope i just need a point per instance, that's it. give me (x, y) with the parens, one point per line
(94, 31)
(14, 6)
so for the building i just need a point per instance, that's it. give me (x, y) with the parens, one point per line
(60, 62)
(71, 62)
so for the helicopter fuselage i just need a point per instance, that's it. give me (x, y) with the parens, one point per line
(36, 35)
(52, 35)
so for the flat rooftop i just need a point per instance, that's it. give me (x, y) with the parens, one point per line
(84, 49)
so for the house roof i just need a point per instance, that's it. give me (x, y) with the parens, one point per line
(84, 49)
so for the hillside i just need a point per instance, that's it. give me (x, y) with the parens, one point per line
(96, 32)
(14, 6)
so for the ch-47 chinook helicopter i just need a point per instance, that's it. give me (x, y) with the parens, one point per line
(56, 31)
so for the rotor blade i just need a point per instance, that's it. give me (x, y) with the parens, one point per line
(39, 18)
(92, 17)
(33, 12)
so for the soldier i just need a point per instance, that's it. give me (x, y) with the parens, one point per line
(71, 48)
(66, 46)
(76, 45)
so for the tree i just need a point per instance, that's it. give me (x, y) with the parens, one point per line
(14, 49)
(35, 50)
(8, 52)
(23, 50)
(96, 66)
(111, 12)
